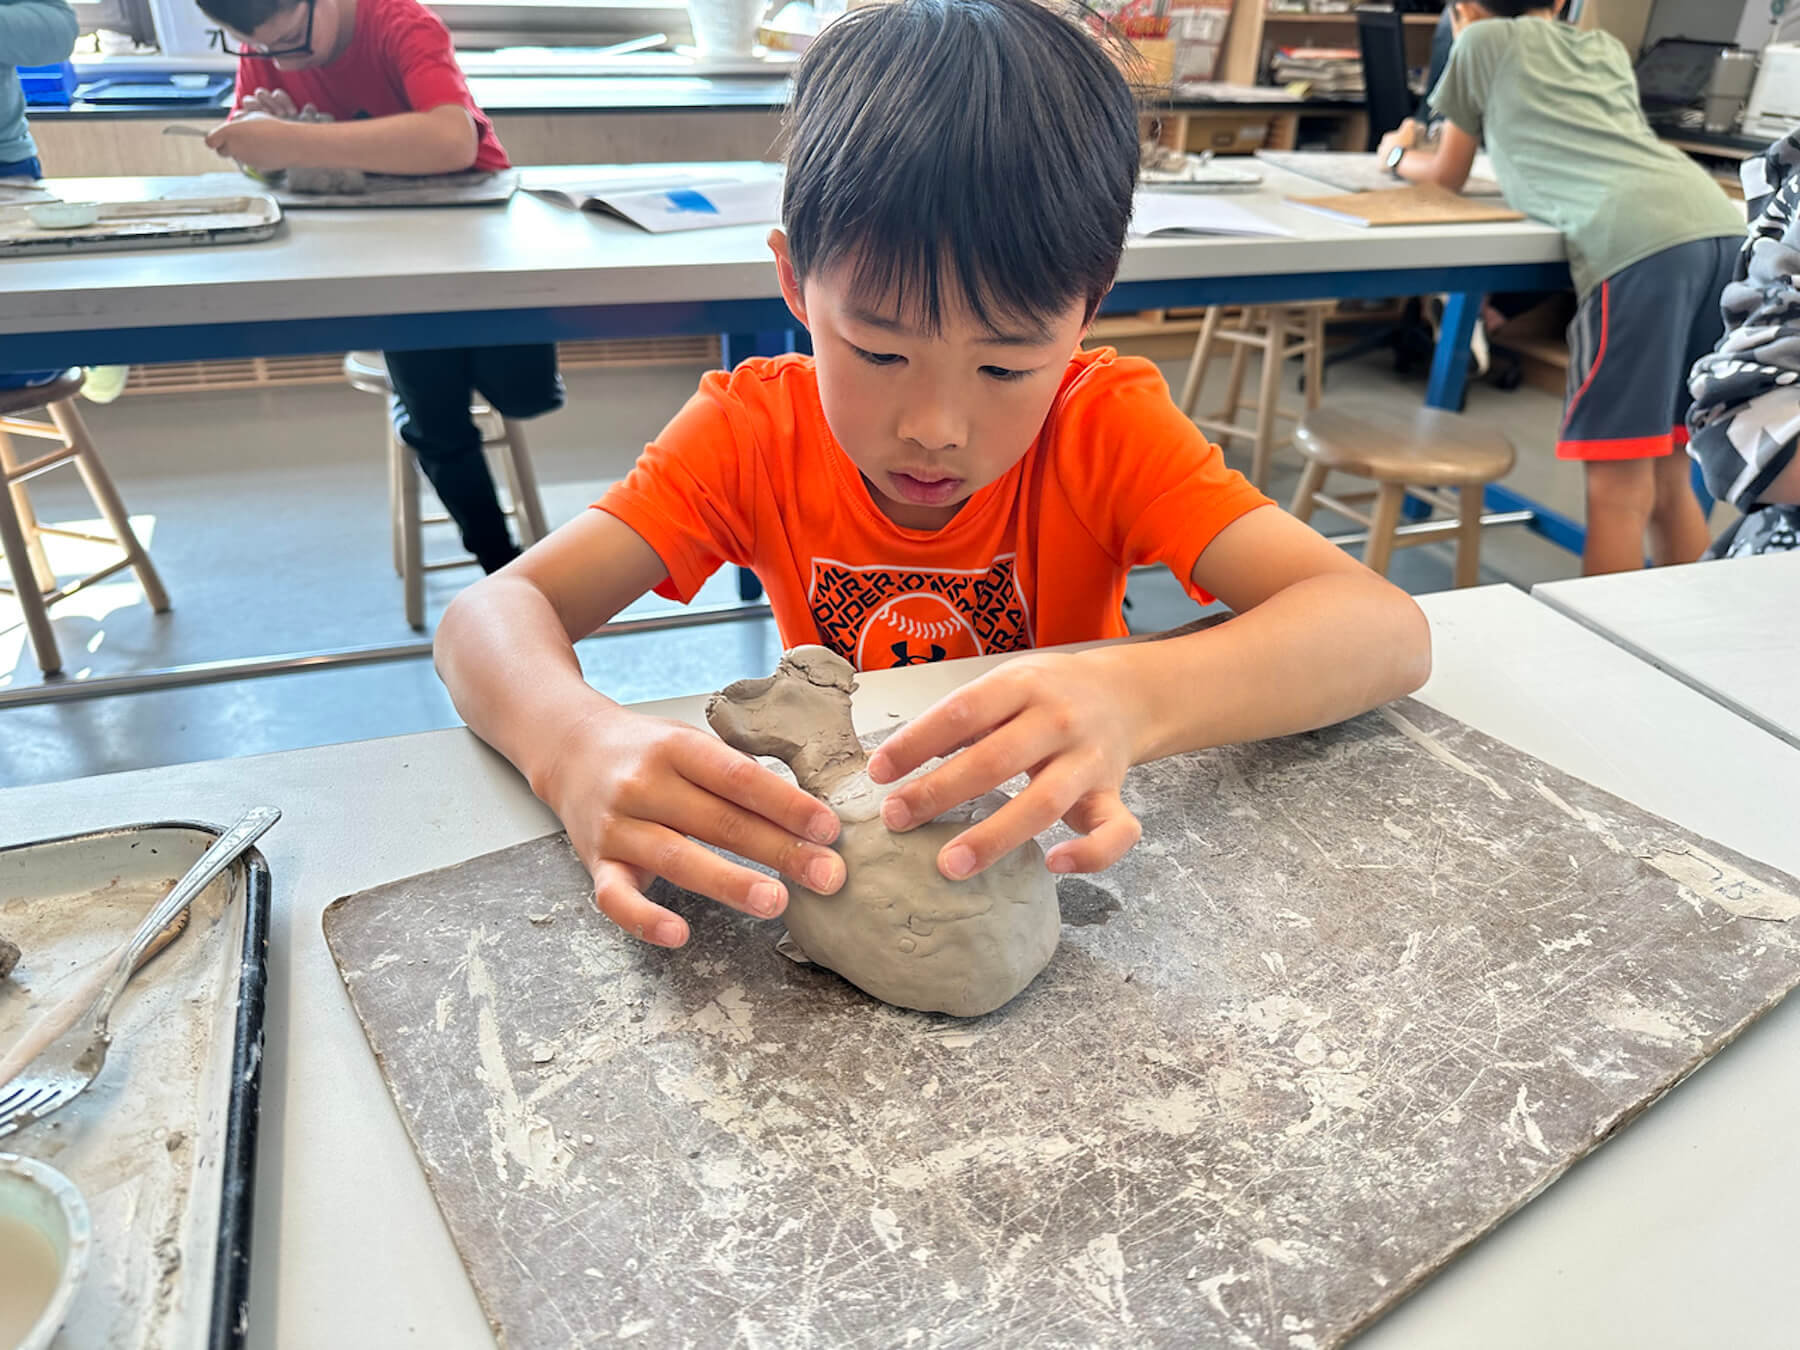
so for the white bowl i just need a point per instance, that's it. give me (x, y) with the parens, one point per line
(40, 1201)
(63, 215)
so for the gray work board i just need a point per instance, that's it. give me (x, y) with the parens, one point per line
(1356, 997)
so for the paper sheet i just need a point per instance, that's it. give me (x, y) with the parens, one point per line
(1184, 213)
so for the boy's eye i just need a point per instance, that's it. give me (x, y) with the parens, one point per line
(877, 358)
(1002, 373)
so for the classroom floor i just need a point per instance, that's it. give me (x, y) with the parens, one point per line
(266, 514)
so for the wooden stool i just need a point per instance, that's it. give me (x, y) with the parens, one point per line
(502, 438)
(1267, 330)
(1420, 452)
(21, 536)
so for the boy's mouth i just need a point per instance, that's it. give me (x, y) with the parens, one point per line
(924, 490)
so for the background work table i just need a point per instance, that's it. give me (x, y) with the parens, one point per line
(534, 271)
(639, 118)
(1678, 1233)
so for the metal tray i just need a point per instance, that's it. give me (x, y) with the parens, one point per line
(474, 188)
(163, 1144)
(177, 222)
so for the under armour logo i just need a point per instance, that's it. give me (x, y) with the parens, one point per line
(903, 657)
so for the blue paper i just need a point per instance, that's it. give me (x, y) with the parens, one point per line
(686, 199)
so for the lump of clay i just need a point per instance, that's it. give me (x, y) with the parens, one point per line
(9, 957)
(327, 182)
(899, 929)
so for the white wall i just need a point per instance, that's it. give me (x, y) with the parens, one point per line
(1760, 24)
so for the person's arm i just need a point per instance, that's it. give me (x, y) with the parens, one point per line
(1447, 166)
(36, 32)
(634, 792)
(1784, 490)
(1317, 638)
(442, 140)
(1744, 425)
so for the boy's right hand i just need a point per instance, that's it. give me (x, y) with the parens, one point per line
(279, 103)
(639, 795)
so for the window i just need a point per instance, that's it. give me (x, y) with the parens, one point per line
(558, 23)
(130, 17)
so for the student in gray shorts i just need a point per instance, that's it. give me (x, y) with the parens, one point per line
(1652, 240)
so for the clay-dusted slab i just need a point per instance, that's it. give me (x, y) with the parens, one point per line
(1356, 997)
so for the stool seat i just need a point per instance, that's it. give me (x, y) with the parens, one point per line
(64, 386)
(1426, 447)
(1420, 452)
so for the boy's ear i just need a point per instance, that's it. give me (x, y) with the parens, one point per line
(790, 280)
(1094, 312)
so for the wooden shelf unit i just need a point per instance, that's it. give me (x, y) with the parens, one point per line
(1254, 30)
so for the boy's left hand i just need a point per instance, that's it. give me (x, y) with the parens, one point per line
(1406, 134)
(256, 140)
(1060, 718)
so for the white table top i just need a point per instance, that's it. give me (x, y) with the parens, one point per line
(531, 254)
(1678, 1233)
(1730, 628)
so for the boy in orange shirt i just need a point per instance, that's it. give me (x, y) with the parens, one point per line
(949, 475)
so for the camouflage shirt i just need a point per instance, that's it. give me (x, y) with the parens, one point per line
(1746, 415)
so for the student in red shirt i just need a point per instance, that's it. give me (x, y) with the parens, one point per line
(950, 474)
(383, 75)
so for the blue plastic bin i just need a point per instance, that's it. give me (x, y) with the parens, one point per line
(49, 86)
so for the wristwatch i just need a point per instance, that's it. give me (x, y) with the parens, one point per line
(1393, 159)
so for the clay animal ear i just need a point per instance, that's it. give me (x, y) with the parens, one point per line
(799, 715)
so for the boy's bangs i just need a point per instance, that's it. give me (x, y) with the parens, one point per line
(942, 270)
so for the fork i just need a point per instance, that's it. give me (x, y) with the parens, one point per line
(46, 1077)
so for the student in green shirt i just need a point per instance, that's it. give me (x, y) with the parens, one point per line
(1652, 241)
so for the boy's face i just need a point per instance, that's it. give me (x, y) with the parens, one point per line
(299, 35)
(929, 419)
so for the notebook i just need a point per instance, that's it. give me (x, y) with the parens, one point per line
(1415, 205)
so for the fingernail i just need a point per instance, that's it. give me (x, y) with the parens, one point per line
(824, 875)
(958, 861)
(877, 768)
(823, 829)
(666, 934)
(1061, 862)
(894, 814)
(765, 898)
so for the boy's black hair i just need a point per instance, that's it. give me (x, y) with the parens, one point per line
(244, 16)
(975, 150)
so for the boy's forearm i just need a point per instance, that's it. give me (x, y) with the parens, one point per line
(409, 143)
(513, 674)
(1316, 653)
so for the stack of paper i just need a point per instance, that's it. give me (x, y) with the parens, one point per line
(1327, 70)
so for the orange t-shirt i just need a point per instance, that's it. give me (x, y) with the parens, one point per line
(749, 473)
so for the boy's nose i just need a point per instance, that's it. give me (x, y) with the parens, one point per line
(933, 426)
